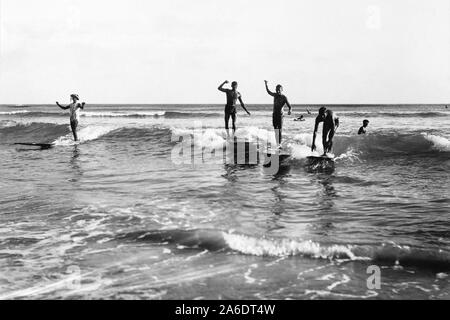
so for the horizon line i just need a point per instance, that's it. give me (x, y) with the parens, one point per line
(220, 104)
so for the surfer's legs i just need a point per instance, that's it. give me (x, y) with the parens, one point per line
(233, 120)
(330, 140)
(325, 140)
(73, 126)
(227, 119)
(277, 122)
(278, 136)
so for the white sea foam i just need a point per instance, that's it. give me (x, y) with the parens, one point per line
(439, 143)
(285, 247)
(300, 151)
(13, 112)
(350, 155)
(84, 135)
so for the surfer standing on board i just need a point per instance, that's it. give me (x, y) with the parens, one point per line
(279, 101)
(230, 108)
(330, 124)
(74, 114)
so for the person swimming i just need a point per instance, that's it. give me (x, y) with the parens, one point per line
(330, 124)
(279, 101)
(74, 114)
(230, 108)
(362, 130)
(302, 117)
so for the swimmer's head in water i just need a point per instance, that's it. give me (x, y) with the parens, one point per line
(279, 88)
(74, 97)
(322, 111)
(365, 123)
(234, 84)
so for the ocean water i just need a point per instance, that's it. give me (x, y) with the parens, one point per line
(121, 215)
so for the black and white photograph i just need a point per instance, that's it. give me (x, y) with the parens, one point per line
(236, 152)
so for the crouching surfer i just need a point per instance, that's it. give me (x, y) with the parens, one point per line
(74, 113)
(330, 125)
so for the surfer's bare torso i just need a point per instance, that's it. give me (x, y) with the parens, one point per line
(232, 98)
(279, 101)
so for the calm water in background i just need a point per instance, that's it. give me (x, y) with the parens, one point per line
(114, 217)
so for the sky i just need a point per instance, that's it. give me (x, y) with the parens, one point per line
(179, 51)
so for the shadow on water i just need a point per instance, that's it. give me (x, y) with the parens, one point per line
(278, 207)
(328, 194)
(232, 169)
(322, 174)
(230, 172)
(75, 165)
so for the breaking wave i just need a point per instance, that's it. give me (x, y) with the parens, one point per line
(214, 240)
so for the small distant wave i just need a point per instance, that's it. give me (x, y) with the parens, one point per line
(174, 114)
(13, 112)
(113, 114)
(215, 240)
(397, 114)
(148, 114)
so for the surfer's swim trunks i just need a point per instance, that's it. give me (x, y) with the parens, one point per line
(277, 120)
(230, 109)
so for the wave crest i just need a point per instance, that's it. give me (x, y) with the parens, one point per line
(216, 240)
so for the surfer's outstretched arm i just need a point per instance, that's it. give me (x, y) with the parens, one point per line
(267, 89)
(220, 88)
(289, 106)
(242, 105)
(62, 107)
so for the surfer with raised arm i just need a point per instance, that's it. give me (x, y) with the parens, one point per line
(279, 101)
(230, 108)
(74, 114)
(330, 124)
